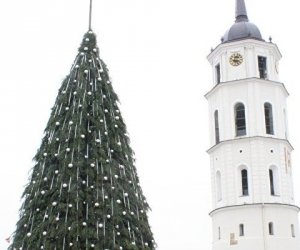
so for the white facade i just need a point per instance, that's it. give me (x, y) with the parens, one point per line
(251, 171)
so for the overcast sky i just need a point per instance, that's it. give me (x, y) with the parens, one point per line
(156, 52)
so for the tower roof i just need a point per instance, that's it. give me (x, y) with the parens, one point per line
(242, 28)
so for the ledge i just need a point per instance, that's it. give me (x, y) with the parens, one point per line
(247, 138)
(255, 204)
(245, 80)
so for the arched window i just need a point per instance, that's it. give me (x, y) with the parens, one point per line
(245, 187)
(217, 132)
(242, 230)
(269, 119)
(271, 177)
(293, 231)
(240, 119)
(274, 180)
(271, 228)
(219, 186)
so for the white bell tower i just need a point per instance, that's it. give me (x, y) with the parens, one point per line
(250, 154)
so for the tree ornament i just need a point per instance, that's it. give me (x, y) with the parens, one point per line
(106, 197)
(87, 39)
(57, 139)
(98, 140)
(82, 136)
(45, 179)
(118, 233)
(92, 245)
(83, 182)
(77, 66)
(56, 172)
(132, 213)
(124, 213)
(126, 194)
(63, 92)
(70, 122)
(86, 71)
(54, 203)
(46, 216)
(95, 50)
(57, 218)
(57, 123)
(101, 120)
(108, 216)
(70, 165)
(117, 117)
(29, 234)
(70, 205)
(67, 108)
(100, 225)
(116, 176)
(99, 79)
(44, 233)
(105, 110)
(65, 185)
(42, 192)
(108, 82)
(92, 187)
(68, 149)
(55, 154)
(89, 93)
(84, 224)
(105, 133)
(97, 204)
(79, 106)
(119, 143)
(70, 244)
(82, 54)
(69, 228)
(45, 154)
(37, 209)
(118, 201)
(75, 93)
(116, 125)
(86, 48)
(92, 165)
(104, 96)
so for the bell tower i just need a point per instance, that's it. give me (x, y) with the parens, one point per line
(250, 153)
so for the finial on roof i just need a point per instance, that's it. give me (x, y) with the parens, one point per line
(90, 16)
(241, 11)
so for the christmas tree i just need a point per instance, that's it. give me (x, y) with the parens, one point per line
(84, 192)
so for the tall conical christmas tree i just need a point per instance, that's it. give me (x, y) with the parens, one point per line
(84, 192)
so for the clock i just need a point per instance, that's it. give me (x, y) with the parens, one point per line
(236, 59)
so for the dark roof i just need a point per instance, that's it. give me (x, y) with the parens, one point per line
(242, 28)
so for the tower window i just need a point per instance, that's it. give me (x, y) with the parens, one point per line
(219, 186)
(271, 176)
(240, 119)
(242, 230)
(274, 180)
(217, 132)
(293, 231)
(271, 228)
(219, 233)
(269, 118)
(262, 67)
(218, 73)
(245, 188)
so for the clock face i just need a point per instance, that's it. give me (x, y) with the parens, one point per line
(236, 59)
